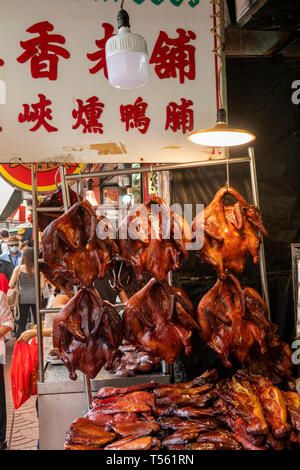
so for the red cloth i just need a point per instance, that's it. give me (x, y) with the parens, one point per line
(3, 283)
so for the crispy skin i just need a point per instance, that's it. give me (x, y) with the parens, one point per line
(274, 407)
(132, 443)
(68, 446)
(72, 249)
(292, 400)
(220, 436)
(153, 239)
(240, 394)
(86, 334)
(54, 200)
(230, 233)
(141, 428)
(129, 362)
(176, 424)
(132, 401)
(224, 325)
(159, 318)
(105, 392)
(85, 432)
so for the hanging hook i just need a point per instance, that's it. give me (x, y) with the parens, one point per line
(122, 3)
(119, 277)
(113, 283)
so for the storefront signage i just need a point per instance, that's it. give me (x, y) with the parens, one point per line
(48, 176)
(60, 105)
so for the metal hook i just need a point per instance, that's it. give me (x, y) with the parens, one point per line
(113, 283)
(119, 277)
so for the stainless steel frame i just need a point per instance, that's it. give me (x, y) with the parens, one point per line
(157, 168)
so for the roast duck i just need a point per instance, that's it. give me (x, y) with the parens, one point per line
(160, 319)
(54, 200)
(86, 334)
(153, 239)
(244, 412)
(234, 321)
(132, 359)
(72, 249)
(231, 233)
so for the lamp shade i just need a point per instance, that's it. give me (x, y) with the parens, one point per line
(221, 135)
(126, 56)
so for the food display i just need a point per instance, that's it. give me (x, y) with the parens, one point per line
(255, 408)
(86, 334)
(242, 412)
(234, 321)
(231, 233)
(153, 239)
(72, 248)
(131, 360)
(54, 200)
(159, 318)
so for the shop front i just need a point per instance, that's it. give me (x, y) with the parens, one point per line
(167, 339)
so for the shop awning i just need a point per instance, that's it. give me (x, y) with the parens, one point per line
(12, 205)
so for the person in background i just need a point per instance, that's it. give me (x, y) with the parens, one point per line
(4, 239)
(14, 255)
(60, 300)
(24, 274)
(27, 244)
(6, 325)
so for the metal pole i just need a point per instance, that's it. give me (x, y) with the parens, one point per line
(37, 271)
(165, 167)
(67, 204)
(262, 259)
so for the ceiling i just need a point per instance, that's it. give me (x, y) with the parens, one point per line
(266, 28)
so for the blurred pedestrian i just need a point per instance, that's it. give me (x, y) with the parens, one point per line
(6, 325)
(14, 255)
(24, 275)
(4, 239)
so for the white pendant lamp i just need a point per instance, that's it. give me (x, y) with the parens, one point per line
(126, 56)
(90, 195)
(221, 135)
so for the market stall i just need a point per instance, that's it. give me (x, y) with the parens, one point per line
(250, 401)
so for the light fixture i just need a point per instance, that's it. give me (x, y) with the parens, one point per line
(90, 195)
(126, 56)
(221, 135)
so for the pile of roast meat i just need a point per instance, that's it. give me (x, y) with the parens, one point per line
(244, 412)
(257, 408)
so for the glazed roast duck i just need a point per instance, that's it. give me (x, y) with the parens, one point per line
(242, 412)
(72, 249)
(153, 239)
(160, 319)
(234, 322)
(231, 233)
(86, 334)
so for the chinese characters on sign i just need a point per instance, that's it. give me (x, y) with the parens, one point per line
(134, 116)
(172, 57)
(42, 52)
(99, 55)
(88, 115)
(40, 113)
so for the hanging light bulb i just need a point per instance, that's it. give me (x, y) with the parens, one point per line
(221, 135)
(90, 195)
(126, 56)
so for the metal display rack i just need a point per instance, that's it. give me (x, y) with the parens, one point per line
(250, 159)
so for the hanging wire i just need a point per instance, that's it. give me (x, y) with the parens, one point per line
(218, 47)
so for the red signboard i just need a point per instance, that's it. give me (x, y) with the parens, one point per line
(48, 175)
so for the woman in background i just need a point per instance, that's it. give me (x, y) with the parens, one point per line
(24, 275)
